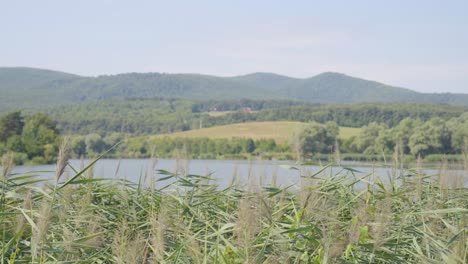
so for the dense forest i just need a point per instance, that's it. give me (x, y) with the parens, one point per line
(28, 88)
(165, 115)
(153, 115)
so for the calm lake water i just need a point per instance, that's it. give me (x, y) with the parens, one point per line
(223, 172)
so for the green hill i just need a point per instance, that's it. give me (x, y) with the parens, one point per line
(28, 87)
(37, 88)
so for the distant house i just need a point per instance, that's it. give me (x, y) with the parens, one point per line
(246, 110)
(213, 109)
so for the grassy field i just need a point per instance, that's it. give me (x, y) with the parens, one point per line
(280, 131)
(414, 218)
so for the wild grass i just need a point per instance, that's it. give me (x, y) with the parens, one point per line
(331, 217)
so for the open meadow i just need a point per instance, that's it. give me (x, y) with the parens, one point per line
(280, 131)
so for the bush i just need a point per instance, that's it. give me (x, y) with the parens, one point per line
(38, 160)
(20, 158)
(440, 157)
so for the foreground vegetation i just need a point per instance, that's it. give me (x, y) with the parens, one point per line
(329, 218)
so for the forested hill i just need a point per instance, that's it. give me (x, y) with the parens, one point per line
(35, 88)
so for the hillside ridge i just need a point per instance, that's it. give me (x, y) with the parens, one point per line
(23, 87)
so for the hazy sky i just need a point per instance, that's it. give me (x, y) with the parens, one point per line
(421, 45)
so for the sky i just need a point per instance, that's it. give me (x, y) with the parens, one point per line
(420, 45)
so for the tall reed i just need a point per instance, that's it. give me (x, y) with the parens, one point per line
(329, 218)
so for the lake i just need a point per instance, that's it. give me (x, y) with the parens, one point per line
(225, 171)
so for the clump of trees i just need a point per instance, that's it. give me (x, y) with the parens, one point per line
(33, 138)
(314, 138)
(410, 137)
(92, 145)
(413, 137)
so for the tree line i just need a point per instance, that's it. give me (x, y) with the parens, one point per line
(412, 137)
(165, 147)
(36, 138)
(141, 116)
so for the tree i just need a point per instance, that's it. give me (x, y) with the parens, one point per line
(431, 137)
(79, 146)
(11, 124)
(460, 138)
(366, 141)
(265, 145)
(15, 144)
(249, 146)
(333, 130)
(313, 138)
(39, 130)
(94, 144)
(459, 129)
(403, 131)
